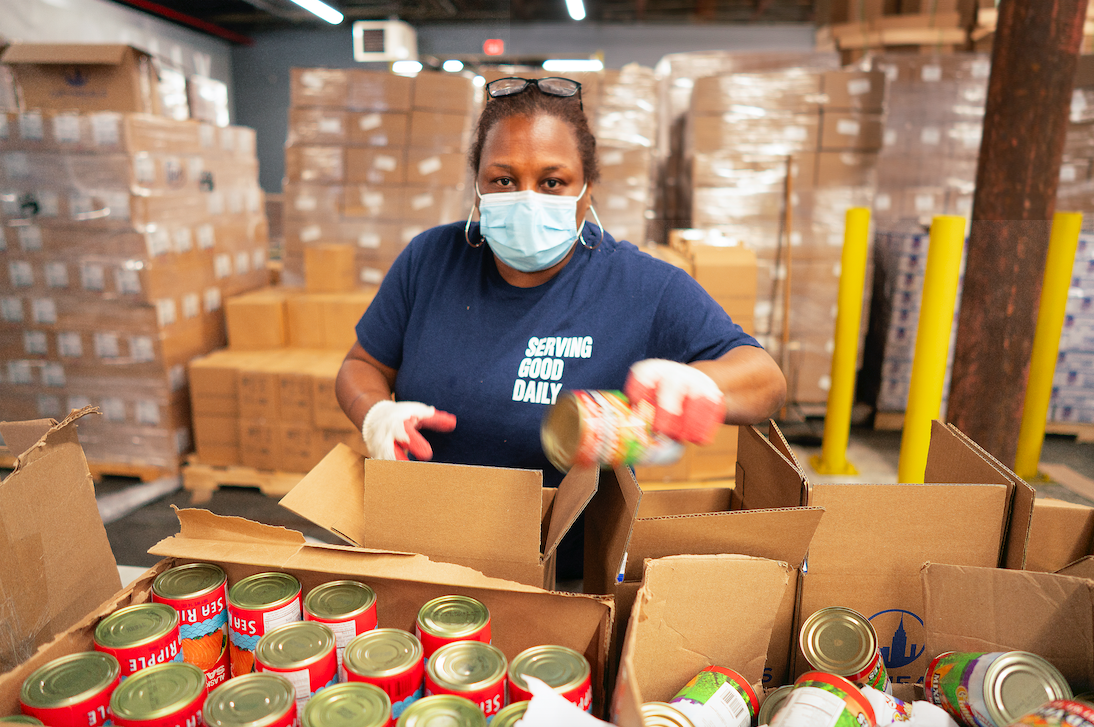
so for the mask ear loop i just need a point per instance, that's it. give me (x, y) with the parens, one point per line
(467, 227)
(598, 224)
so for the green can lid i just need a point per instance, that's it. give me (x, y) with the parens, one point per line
(339, 600)
(189, 581)
(20, 719)
(136, 625)
(70, 680)
(352, 704)
(295, 645)
(466, 666)
(158, 691)
(559, 667)
(264, 590)
(1018, 682)
(838, 640)
(442, 710)
(258, 699)
(509, 716)
(453, 617)
(382, 653)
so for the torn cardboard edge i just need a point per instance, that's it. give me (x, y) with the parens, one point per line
(29, 439)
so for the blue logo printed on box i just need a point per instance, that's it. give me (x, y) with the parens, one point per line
(907, 643)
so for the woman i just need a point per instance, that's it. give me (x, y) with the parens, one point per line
(478, 326)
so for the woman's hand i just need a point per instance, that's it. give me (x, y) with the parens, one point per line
(390, 429)
(687, 404)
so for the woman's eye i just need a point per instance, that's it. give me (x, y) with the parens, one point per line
(503, 182)
(552, 184)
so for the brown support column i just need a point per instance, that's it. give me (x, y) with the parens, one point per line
(1025, 122)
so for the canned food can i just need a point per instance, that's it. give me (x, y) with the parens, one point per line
(561, 668)
(199, 593)
(587, 427)
(451, 618)
(981, 689)
(469, 669)
(303, 653)
(829, 699)
(392, 660)
(164, 695)
(509, 716)
(842, 641)
(772, 703)
(353, 704)
(347, 607)
(140, 636)
(662, 714)
(257, 605)
(718, 697)
(20, 719)
(442, 710)
(72, 691)
(1057, 713)
(260, 699)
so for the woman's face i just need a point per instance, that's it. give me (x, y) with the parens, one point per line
(533, 152)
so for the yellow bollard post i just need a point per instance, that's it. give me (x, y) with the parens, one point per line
(932, 344)
(841, 397)
(1046, 340)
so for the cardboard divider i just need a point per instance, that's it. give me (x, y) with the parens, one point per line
(1060, 534)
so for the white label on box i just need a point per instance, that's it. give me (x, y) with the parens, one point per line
(106, 344)
(141, 348)
(370, 240)
(258, 259)
(195, 166)
(10, 203)
(368, 122)
(312, 80)
(158, 241)
(611, 158)
(113, 408)
(235, 201)
(931, 73)
(176, 377)
(127, 281)
(215, 203)
(211, 299)
(930, 136)
(385, 163)
(222, 266)
(66, 128)
(184, 240)
(144, 169)
(16, 165)
(49, 406)
(254, 200)
(106, 129)
(795, 238)
(56, 275)
(206, 237)
(19, 372)
(1068, 173)
(147, 412)
(191, 305)
(228, 139)
(5, 132)
(243, 263)
(92, 276)
(429, 165)
(11, 309)
(421, 201)
(981, 68)
(31, 127)
(306, 202)
(49, 203)
(858, 86)
(617, 202)
(311, 233)
(924, 202)
(848, 127)
(78, 401)
(30, 238)
(21, 274)
(371, 276)
(35, 343)
(889, 137)
(207, 135)
(53, 374)
(409, 233)
(70, 345)
(44, 311)
(165, 312)
(330, 125)
(796, 133)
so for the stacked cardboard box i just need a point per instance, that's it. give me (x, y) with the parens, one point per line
(1073, 384)
(372, 159)
(746, 132)
(122, 233)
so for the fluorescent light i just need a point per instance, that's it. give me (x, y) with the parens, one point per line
(479, 81)
(576, 9)
(574, 65)
(406, 68)
(452, 65)
(324, 11)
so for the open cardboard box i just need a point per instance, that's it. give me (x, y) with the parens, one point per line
(502, 522)
(47, 511)
(1060, 534)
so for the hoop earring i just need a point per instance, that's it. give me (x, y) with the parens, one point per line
(598, 224)
(467, 228)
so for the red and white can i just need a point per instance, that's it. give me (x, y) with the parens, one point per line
(390, 659)
(302, 652)
(447, 619)
(257, 605)
(348, 608)
(469, 669)
(140, 636)
(72, 691)
(267, 699)
(199, 593)
(563, 669)
(164, 695)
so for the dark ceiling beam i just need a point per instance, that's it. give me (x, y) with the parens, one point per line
(183, 19)
(278, 9)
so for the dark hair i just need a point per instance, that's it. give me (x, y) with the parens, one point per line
(533, 102)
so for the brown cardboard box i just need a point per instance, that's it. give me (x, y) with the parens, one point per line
(303, 200)
(256, 320)
(259, 392)
(448, 92)
(86, 77)
(1060, 534)
(375, 166)
(340, 316)
(297, 446)
(329, 268)
(780, 136)
(378, 91)
(432, 205)
(425, 166)
(328, 87)
(378, 128)
(323, 164)
(216, 439)
(854, 90)
(842, 131)
(328, 414)
(317, 126)
(440, 130)
(305, 320)
(374, 201)
(258, 444)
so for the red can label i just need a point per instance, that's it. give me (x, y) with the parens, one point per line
(246, 627)
(430, 642)
(615, 433)
(158, 651)
(309, 680)
(188, 716)
(203, 626)
(92, 712)
(345, 629)
(490, 699)
(874, 675)
(581, 695)
(1060, 713)
(404, 689)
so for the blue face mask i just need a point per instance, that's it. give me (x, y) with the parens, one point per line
(529, 231)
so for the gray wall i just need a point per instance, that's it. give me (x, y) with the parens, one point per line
(261, 71)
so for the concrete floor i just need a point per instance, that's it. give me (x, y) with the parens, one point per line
(133, 531)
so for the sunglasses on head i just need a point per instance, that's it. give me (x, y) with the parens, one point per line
(553, 86)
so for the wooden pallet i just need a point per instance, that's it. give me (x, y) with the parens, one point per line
(101, 469)
(1082, 432)
(202, 480)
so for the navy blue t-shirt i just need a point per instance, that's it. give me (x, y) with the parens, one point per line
(467, 342)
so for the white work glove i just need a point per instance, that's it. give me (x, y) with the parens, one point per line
(390, 429)
(687, 405)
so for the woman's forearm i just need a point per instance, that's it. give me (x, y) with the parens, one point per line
(753, 385)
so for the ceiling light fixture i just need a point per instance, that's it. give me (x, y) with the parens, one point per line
(324, 11)
(573, 65)
(406, 68)
(452, 65)
(576, 8)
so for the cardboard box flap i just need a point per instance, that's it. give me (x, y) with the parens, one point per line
(60, 53)
(782, 535)
(21, 436)
(1082, 568)
(608, 526)
(57, 563)
(994, 609)
(331, 495)
(659, 503)
(778, 440)
(1061, 533)
(199, 524)
(766, 479)
(574, 493)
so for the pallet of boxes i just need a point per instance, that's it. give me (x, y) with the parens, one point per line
(123, 232)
